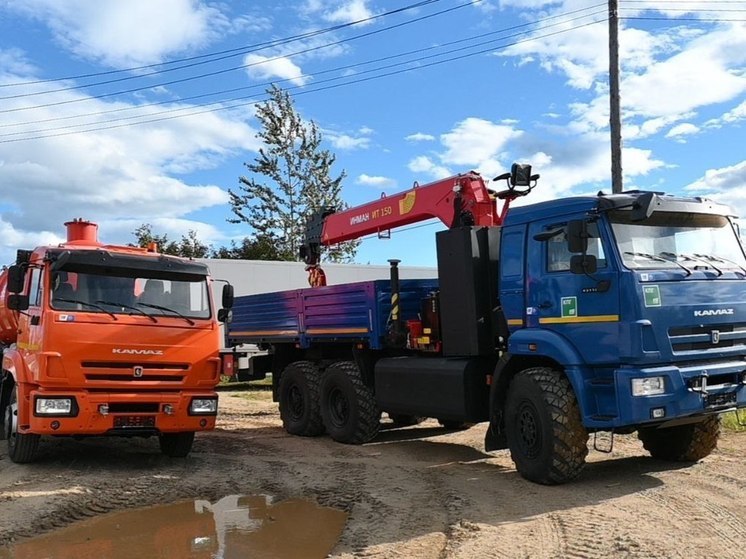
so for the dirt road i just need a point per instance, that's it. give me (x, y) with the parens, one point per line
(413, 492)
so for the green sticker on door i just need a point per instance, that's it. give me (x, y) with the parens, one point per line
(569, 307)
(652, 295)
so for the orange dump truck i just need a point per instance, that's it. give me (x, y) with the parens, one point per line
(107, 340)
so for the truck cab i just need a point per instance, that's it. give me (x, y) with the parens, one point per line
(107, 340)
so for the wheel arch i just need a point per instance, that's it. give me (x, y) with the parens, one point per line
(511, 364)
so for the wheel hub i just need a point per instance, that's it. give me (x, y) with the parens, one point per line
(339, 408)
(295, 399)
(529, 433)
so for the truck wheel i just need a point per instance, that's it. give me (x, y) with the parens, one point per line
(348, 407)
(22, 447)
(404, 420)
(176, 445)
(299, 399)
(546, 437)
(684, 443)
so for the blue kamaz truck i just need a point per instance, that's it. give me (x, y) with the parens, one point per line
(549, 321)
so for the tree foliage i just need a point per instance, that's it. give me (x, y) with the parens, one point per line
(188, 247)
(260, 248)
(289, 180)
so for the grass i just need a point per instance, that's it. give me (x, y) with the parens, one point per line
(730, 421)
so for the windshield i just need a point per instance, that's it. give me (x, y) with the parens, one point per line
(138, 295)
(669, 240)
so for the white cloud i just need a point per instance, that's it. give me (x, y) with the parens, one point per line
(683, 129)
(349, 11)
(377, 181)
(736, 114)
(726, 185)
(423, 164)
(723, 179)
(131, 33)
(475, 140)
(348, 141)
(109, 175)
(265, 67)
(420, 137)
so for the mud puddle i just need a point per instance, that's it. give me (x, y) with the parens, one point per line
(233, 527)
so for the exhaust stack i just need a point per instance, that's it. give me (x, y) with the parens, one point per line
(82, 232)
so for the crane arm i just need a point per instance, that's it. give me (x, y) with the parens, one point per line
(460, 200)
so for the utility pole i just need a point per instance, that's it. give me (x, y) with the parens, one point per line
(615, 119)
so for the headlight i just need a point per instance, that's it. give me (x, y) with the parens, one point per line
(203, 406)
(648, 386)
(55, 406)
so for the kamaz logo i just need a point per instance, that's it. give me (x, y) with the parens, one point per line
(128, 351)
(715, 312)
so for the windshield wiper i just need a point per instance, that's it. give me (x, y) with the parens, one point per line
(689, 258)
(713, 258)
(85, 303)
(661, 259)
(177, 313)
(118, 304)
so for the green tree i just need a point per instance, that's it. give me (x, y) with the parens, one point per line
(289, 180)
(259, 248)
(188, 247)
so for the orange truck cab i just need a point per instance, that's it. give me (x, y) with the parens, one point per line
(107, 340)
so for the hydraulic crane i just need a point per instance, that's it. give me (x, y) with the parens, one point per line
(457, 201)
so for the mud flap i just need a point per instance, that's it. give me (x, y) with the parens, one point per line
(495, 438)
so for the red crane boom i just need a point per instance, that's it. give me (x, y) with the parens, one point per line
(460, 200)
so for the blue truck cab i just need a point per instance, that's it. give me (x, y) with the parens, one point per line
(616, 313)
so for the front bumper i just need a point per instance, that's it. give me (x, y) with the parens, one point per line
(690, 390)
(125, 414)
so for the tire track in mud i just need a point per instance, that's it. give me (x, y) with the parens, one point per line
(694, 513)
(583, 535)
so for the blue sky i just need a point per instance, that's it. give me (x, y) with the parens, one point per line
(469, 86)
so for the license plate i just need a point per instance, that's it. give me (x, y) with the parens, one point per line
(720, 400)
(134, 421)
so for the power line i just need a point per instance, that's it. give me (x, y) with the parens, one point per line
(305, 92)
(337, 69)
(216, 72)
(229, 52)
(674, 21)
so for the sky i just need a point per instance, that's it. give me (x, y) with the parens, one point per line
(134, 112)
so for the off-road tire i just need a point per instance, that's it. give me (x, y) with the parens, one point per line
(546, 436)
(683, 443)
(300, 400)
(405, 420)
(348, 407)
(176, 445)
(22, 447)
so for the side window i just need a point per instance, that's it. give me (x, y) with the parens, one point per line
(558, 255)
(34, 292)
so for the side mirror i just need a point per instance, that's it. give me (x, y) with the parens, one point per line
(225, 315)
(18, 302)
(577, 236)
(583, 264)
(16, 278)
(228, 296)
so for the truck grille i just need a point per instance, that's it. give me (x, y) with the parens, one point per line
(707, 336)
(118, 371)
